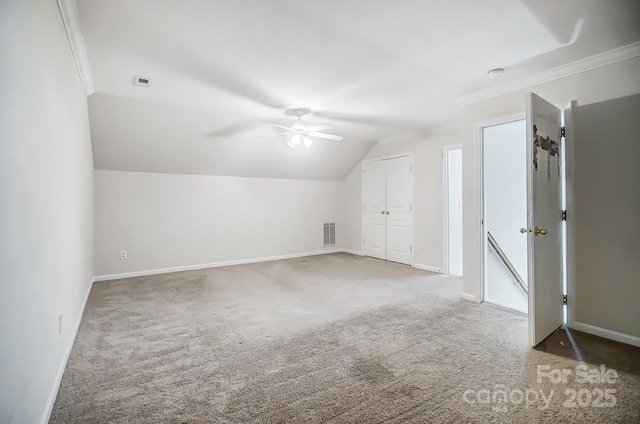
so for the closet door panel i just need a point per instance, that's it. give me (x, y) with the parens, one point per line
(399, 201)
(374, 218)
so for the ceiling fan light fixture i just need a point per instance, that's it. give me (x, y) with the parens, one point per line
(301, 131)
(299, 126)
(307, 141)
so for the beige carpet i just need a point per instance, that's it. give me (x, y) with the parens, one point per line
(332, 339)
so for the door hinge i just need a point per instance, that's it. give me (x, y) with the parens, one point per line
(563, 132)
(410, 167)
(564, 215)
(410, 248)
(564, 299)
(411, 208)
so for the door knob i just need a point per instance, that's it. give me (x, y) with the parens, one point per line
(541, 231)
(386, 212)
(523, 230)
(382, 212)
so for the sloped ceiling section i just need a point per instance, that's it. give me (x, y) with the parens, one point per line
(139, 135)
(378, 71)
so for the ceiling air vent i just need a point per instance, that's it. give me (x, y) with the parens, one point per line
(329, 230)
(141, 81)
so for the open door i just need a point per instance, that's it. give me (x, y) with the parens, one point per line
(544, 216)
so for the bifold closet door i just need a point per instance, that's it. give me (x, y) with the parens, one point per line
(387, 195)
(399, 197)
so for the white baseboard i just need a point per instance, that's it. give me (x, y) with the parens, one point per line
(469, 297)
(46, 415)
(353, 252)
(455, 269)
(607, 334)
(428, 268)
(212, 265)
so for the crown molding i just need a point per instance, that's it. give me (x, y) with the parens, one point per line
(69, 12)
(602, 59)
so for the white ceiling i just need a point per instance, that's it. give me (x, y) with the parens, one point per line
(378, 71)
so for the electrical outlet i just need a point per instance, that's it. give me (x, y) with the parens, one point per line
(123, 254)
(59, 324)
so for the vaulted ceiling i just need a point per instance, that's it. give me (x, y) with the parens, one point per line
(378, 71)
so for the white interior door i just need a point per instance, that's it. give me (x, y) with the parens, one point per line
(400, 209)
(544, 206)
(374, 208)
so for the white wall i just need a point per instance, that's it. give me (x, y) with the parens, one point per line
(454, 181)
(606, 215)
(46, 211)
(428, 211)
(171, 220)
(350, 211)
(505, 203)
(604, 83)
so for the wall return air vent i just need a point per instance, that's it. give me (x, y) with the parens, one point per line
(141, 81)
(329, 234)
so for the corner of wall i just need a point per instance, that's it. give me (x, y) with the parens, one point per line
(65, 358)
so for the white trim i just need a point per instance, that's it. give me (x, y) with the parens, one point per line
(569, 166)
(69, 12)
(453, 268)
(211, 265)
(607, 334)
(479, 164)
(395, 156)
(46, 415)
(353, 252)
(479, 198)
(429, 268)
(469, 297)
(501, 120)
(531, 261)
(582, 65)
(445, 197)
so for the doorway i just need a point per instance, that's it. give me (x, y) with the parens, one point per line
(453, 207)
(506, 176)
(504, 159)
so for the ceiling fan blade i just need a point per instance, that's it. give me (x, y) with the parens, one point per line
(360, 119)
(327, 136)
(234, 129)
(321, 127)
(273, 135)
(282, 126)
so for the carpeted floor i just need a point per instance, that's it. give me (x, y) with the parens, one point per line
(333, 339)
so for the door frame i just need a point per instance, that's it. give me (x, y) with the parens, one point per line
(445, 198)
(413, 198)
(569, 273)
(479, 164)
(569, 111)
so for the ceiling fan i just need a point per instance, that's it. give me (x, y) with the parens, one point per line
(302, 132)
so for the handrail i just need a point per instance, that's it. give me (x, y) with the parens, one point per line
(507, 263)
